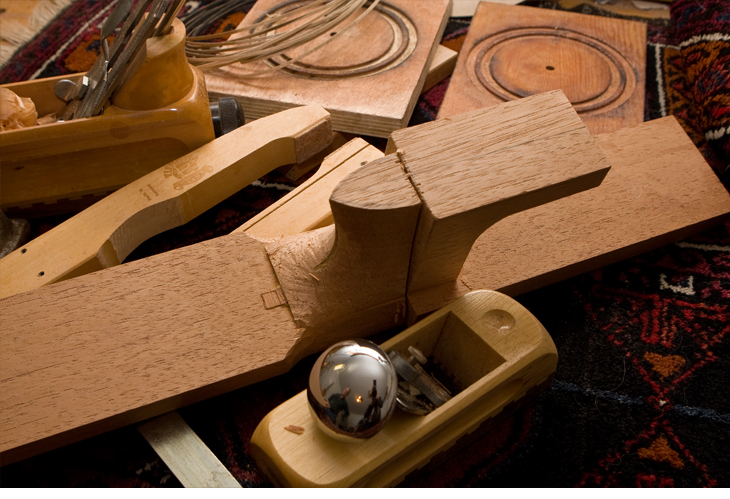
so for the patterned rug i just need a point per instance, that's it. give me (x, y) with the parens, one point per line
(641, 396)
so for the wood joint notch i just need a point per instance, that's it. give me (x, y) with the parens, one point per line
(273, 298)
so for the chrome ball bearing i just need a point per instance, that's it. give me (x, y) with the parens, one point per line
(352, 390)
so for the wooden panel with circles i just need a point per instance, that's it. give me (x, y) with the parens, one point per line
(511, 52)
(368, 79)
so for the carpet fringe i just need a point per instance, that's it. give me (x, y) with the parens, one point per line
(14, 35)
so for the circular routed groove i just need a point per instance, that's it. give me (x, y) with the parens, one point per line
(527, 61)
(382, 40)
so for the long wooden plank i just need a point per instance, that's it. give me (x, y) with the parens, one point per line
(104, 234)
(660, 195)
(185, 454)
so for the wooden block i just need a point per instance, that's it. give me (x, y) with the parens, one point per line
(298, 170)
(494, 348)
(143, 338)
(552, 141)
(369, 80)
(513, 51)
(659, 190)
(443, 65)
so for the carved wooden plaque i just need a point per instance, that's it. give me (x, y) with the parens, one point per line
(368, 79)
(511, 52)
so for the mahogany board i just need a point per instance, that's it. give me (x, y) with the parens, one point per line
(94, 384)
(353, 77)
(513, 51)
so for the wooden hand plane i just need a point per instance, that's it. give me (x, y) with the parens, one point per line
(491, 348)
(117, 346)
(160, 114)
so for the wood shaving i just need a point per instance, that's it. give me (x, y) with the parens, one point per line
(16, 112)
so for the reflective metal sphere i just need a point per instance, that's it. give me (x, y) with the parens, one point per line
(352, 390)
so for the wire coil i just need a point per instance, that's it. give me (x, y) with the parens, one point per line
(269, 37)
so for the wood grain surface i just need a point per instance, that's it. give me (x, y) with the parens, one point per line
(185, 453)
(121, 345)
(365, 94)
(552, 156)
(515, 51)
